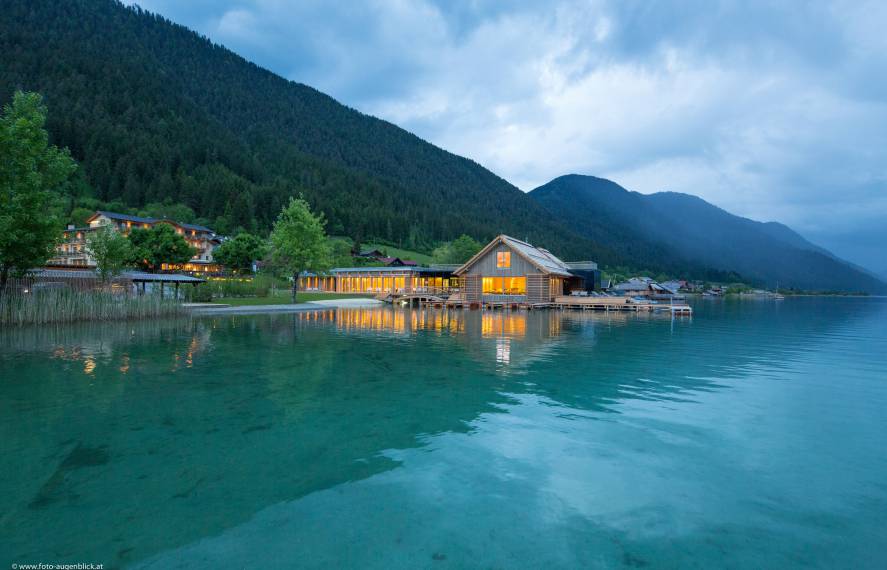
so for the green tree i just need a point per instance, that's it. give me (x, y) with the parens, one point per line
(442, 253)
(111, 251)
(459, 250)
(298, 241)
(158, 245)
(238, 253)
(464, 247)
(340, 253)
(79, 215)
(168, 210)
(31, 173)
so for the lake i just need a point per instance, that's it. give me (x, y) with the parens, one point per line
(753, 434)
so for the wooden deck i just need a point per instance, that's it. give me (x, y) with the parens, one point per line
(620, 304)
(563, 302)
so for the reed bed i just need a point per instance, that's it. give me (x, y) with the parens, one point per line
(67, 305)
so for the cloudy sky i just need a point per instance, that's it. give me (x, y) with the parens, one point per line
(775, 111)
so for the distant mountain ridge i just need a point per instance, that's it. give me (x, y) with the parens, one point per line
(685, 230)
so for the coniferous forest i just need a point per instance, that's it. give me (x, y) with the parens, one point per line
(154, 112)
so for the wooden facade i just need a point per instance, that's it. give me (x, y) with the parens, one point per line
(510, 271)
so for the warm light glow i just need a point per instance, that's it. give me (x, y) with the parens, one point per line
(503, 324)
(505, 285)
(555, 287)
(359, 319)
(503, 259)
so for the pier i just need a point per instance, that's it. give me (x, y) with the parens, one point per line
(440, 299)
(621, 304)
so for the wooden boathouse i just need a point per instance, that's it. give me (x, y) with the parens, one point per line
(509, 272)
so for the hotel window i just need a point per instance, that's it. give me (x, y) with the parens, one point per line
(503, 259)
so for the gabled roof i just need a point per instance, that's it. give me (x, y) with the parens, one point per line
(123, 217)
(197, 227)
(643, 284)
(141, 220)
(182, 225)
(540, 258)
(396, 261)
(370, 253)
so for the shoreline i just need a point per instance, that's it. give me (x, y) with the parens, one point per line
(211, 310)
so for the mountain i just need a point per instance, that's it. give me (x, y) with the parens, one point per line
(669, 231)
(160, 117)
(154, 112)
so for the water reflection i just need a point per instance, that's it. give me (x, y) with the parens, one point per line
(146, 428)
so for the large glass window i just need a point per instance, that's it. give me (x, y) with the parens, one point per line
(505, 285)
(503, 259)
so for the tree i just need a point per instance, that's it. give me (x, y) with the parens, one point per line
(239, 252)
(464, 247)
(442, 253)
(111, 251)
(168, 210)
(31, 173)
(458, 251)
(79, 215)
(341, 253)
(298, 240)
(160, 244)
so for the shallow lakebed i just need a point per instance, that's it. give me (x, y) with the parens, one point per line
(750, 435)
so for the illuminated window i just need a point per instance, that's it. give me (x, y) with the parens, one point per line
(503, 259)
(504, 285)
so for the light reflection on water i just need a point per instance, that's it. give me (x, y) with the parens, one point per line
(749, 435)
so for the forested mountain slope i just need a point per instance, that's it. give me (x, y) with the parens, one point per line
(155, 112)
(688, 231)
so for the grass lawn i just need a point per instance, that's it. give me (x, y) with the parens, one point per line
(284, 298)
(397, 252)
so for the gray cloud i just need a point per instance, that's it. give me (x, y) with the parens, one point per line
(770, 110)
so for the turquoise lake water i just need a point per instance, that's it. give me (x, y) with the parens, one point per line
(753, 435)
